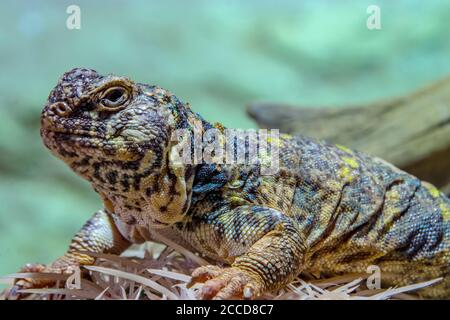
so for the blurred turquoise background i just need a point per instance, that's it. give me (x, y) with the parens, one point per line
(217, 55)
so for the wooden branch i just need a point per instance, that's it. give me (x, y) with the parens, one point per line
(412, 132)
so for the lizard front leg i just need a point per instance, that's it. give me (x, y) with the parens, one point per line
(265, 249)
(99, 234)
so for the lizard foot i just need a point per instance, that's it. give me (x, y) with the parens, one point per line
(30, 283)
(226, 283)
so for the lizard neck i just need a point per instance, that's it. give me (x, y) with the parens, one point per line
(161, 197)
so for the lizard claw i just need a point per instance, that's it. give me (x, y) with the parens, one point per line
(30, 283)
(203, 274)
(20, 284)
(226, 283)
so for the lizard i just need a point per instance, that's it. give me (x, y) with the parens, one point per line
(328, 210)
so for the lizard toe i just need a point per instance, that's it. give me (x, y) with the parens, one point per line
(15, 292)
(232, 290)
(203, 274)
(231, 283)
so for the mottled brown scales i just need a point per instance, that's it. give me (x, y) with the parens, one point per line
(327, 211)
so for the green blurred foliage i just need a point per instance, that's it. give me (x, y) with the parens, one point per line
(217, 55)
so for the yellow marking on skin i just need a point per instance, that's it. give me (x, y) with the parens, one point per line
(393, 195)
(346, 174)
(445, 209)
(391, 210)
(276, 141)
(431, 189)
(125, 155)
(219, 126)
(235, 184)
(344, 148)
(351, 162)
(265, 159)
(237, 200)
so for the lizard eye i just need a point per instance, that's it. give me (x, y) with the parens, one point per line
(114, 98)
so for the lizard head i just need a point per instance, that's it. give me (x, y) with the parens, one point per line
(113, 132)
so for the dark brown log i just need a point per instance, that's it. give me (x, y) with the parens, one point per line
(412, 132)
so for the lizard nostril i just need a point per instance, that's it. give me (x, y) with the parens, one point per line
(60, 108)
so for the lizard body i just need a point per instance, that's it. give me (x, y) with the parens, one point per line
(328, 210)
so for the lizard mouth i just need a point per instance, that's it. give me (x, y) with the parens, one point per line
(62, 139)
(73, 139)
(48, 128)
(65, 143)
(72, 135)
(62, 133)
(61, 136)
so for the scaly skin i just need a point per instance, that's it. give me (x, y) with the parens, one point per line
(328, 210)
